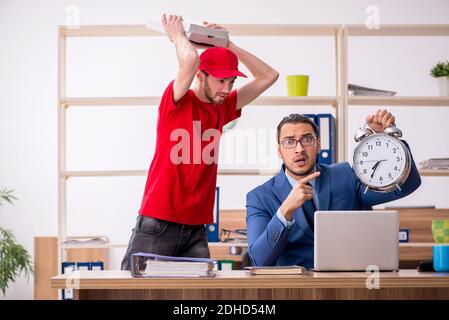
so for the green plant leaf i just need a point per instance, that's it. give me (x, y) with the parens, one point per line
(441, 69)
(14, 258)
(7, 196)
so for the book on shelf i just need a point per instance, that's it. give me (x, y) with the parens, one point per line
(356, 90)
(435, 164)
(276, 270)
(153, 265)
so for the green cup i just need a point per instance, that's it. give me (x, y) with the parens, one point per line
(440, 231)
(297, 85)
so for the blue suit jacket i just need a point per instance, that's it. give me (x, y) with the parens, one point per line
(338, 188)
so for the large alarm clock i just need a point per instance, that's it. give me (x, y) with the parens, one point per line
(381, 161)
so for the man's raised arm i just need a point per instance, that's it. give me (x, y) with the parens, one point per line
(264, 76)
(186, 53)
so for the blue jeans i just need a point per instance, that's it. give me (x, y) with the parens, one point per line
(151, 235)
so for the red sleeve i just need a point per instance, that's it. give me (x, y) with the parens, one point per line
(167, 104)
(230, 108)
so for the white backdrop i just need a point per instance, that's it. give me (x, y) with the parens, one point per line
(123, 137)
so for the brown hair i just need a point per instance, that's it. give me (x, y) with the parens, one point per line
(297, 118)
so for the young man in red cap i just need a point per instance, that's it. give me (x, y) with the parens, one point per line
(179, 194)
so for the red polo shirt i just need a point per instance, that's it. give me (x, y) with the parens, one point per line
(182, 177)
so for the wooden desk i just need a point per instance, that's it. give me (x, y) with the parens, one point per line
(239, 285)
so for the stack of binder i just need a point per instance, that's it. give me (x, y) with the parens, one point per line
(153, 265)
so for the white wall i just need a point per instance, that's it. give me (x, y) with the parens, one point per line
(123, 138)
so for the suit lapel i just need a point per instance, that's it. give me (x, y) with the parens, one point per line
(323, 188)
(282, 189)
(281, 186)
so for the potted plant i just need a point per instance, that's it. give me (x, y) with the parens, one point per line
(441, 72)
(14, 259)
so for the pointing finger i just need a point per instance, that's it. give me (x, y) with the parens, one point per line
(304, 187)
(309, 177)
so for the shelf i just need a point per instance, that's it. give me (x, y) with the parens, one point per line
(110, 173)
(154, 101)
(282, 30)
(124, 245)
(265, 30)
(399, 101)
(234, 30)
(399, 30)
(94, 246)
(129, 173)
(248, 172)
(222, 172)
(110, 101)
(268, 101)
(295, 101)
(230, 244)
(434, 173)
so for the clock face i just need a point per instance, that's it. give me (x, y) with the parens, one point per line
(381, 161)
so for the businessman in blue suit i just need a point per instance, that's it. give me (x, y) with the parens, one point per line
(280, 211)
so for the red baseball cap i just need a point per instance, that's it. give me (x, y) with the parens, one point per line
(220, 63)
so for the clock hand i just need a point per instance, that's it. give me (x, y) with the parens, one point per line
(374, 160)
(375, 167)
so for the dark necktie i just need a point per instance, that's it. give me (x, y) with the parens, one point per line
(309, 211)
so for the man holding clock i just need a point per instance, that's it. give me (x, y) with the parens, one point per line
(280, 212)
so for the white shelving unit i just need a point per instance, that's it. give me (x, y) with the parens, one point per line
(339, 102)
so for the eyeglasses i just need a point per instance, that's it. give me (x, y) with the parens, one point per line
(226, 233)
(306, 141)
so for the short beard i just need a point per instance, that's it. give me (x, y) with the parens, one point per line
(301, 174)
(207, 92)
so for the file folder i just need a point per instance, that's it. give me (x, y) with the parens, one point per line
(67, 267)
(97, 265)
(85, 266)
(326, 125)
(213, 234)
(327, 130)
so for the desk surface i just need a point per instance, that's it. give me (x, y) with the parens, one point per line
(240, 279)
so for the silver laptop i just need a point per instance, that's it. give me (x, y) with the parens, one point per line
(355, 240)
